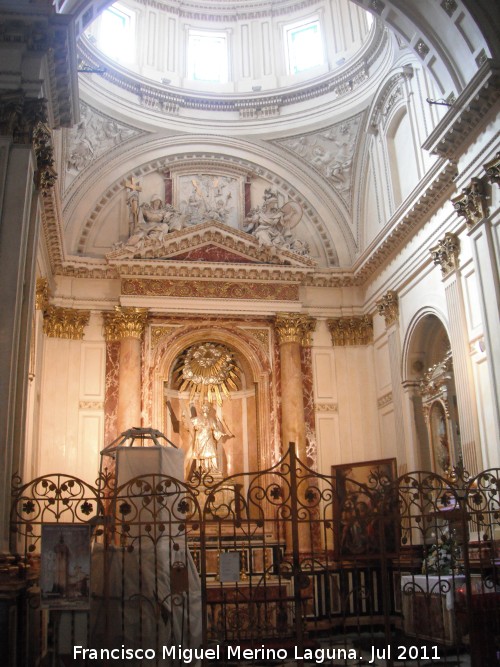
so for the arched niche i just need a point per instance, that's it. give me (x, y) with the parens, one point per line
(250, 413)
(428, 365)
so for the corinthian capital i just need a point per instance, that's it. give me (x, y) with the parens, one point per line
(471, 204)
(446, 253)
(351, 330)
(294, 328)
(125, 323)
(388, 307)
(65, 322)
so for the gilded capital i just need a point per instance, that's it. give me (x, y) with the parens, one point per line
(471, 204)
(42, 294)
(347, 331)
(492, 169)
(294, 328)
(388, 307)
(65, 322)
(124, 323)
(446, 253)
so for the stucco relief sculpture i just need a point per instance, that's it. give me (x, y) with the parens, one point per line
(205, 197)
(272, 225)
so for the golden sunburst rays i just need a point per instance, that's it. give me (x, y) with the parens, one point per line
(209, 371)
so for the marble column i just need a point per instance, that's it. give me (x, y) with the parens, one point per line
(127, 325)
(388, 307)
(293, 331)
(446, 254)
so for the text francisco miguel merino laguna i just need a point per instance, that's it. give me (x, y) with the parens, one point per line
(191, 655)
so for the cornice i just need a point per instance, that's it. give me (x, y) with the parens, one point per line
(466, 113)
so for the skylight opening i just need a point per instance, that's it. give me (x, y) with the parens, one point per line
(208, 56)
(116, 36)
(304, 46)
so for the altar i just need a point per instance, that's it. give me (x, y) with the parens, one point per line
(428, 606)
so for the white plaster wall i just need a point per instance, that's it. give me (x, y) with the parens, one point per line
(72, 404)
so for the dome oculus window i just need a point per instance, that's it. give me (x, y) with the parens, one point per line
(207, 56)
(304, 46)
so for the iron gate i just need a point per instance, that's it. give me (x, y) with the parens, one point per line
(273, 566)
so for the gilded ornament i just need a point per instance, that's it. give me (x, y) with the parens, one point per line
(446, 253)
(471, 204)
(159, 332)
(388, 307)
(65, 322)
(124, 323)
(294, 328)
(346, 331)
(208, 370)
(42, 294)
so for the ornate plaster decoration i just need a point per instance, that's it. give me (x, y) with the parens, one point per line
(421, 48)
(294, 328)
(492, 169)
(384, 401)
(261, 335)
(210, 289)
(388, 307)
(446, 253)
(91, 405)
(330, 152)
(208, 370)
(471, 204)
(449, 6)
(42, 294)
(95, 135)
(326, 407)
(124, 323)
(377, 6)
(347, 331)
(434, 382)
(65, 322)
(159, 332)
(388, 97)
(239, 247)
(46, 175)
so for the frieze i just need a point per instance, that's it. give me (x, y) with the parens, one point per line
(326, 407)
(91, 405)
(65, 322)
(384, 401)
(209, 289)
(347, 331)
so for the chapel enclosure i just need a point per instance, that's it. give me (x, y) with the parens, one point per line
(284, 558)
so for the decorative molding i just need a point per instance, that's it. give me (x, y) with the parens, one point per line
(91, 405)
(326, 407)
(124, 323)
(294, 328)
(492, 169)
(421, 48)
(447, 253)
(261, 335)
(347, 331)
(42, 294)
(388, 307)
(158, 332)
(449, 6)
(46, 175)
(384, 400)
(65, 322)
(434, 382)
(210, 289)
(471, 204)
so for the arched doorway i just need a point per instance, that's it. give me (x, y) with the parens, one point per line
(428, 365)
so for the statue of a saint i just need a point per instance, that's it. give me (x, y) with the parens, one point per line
(208, 431)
